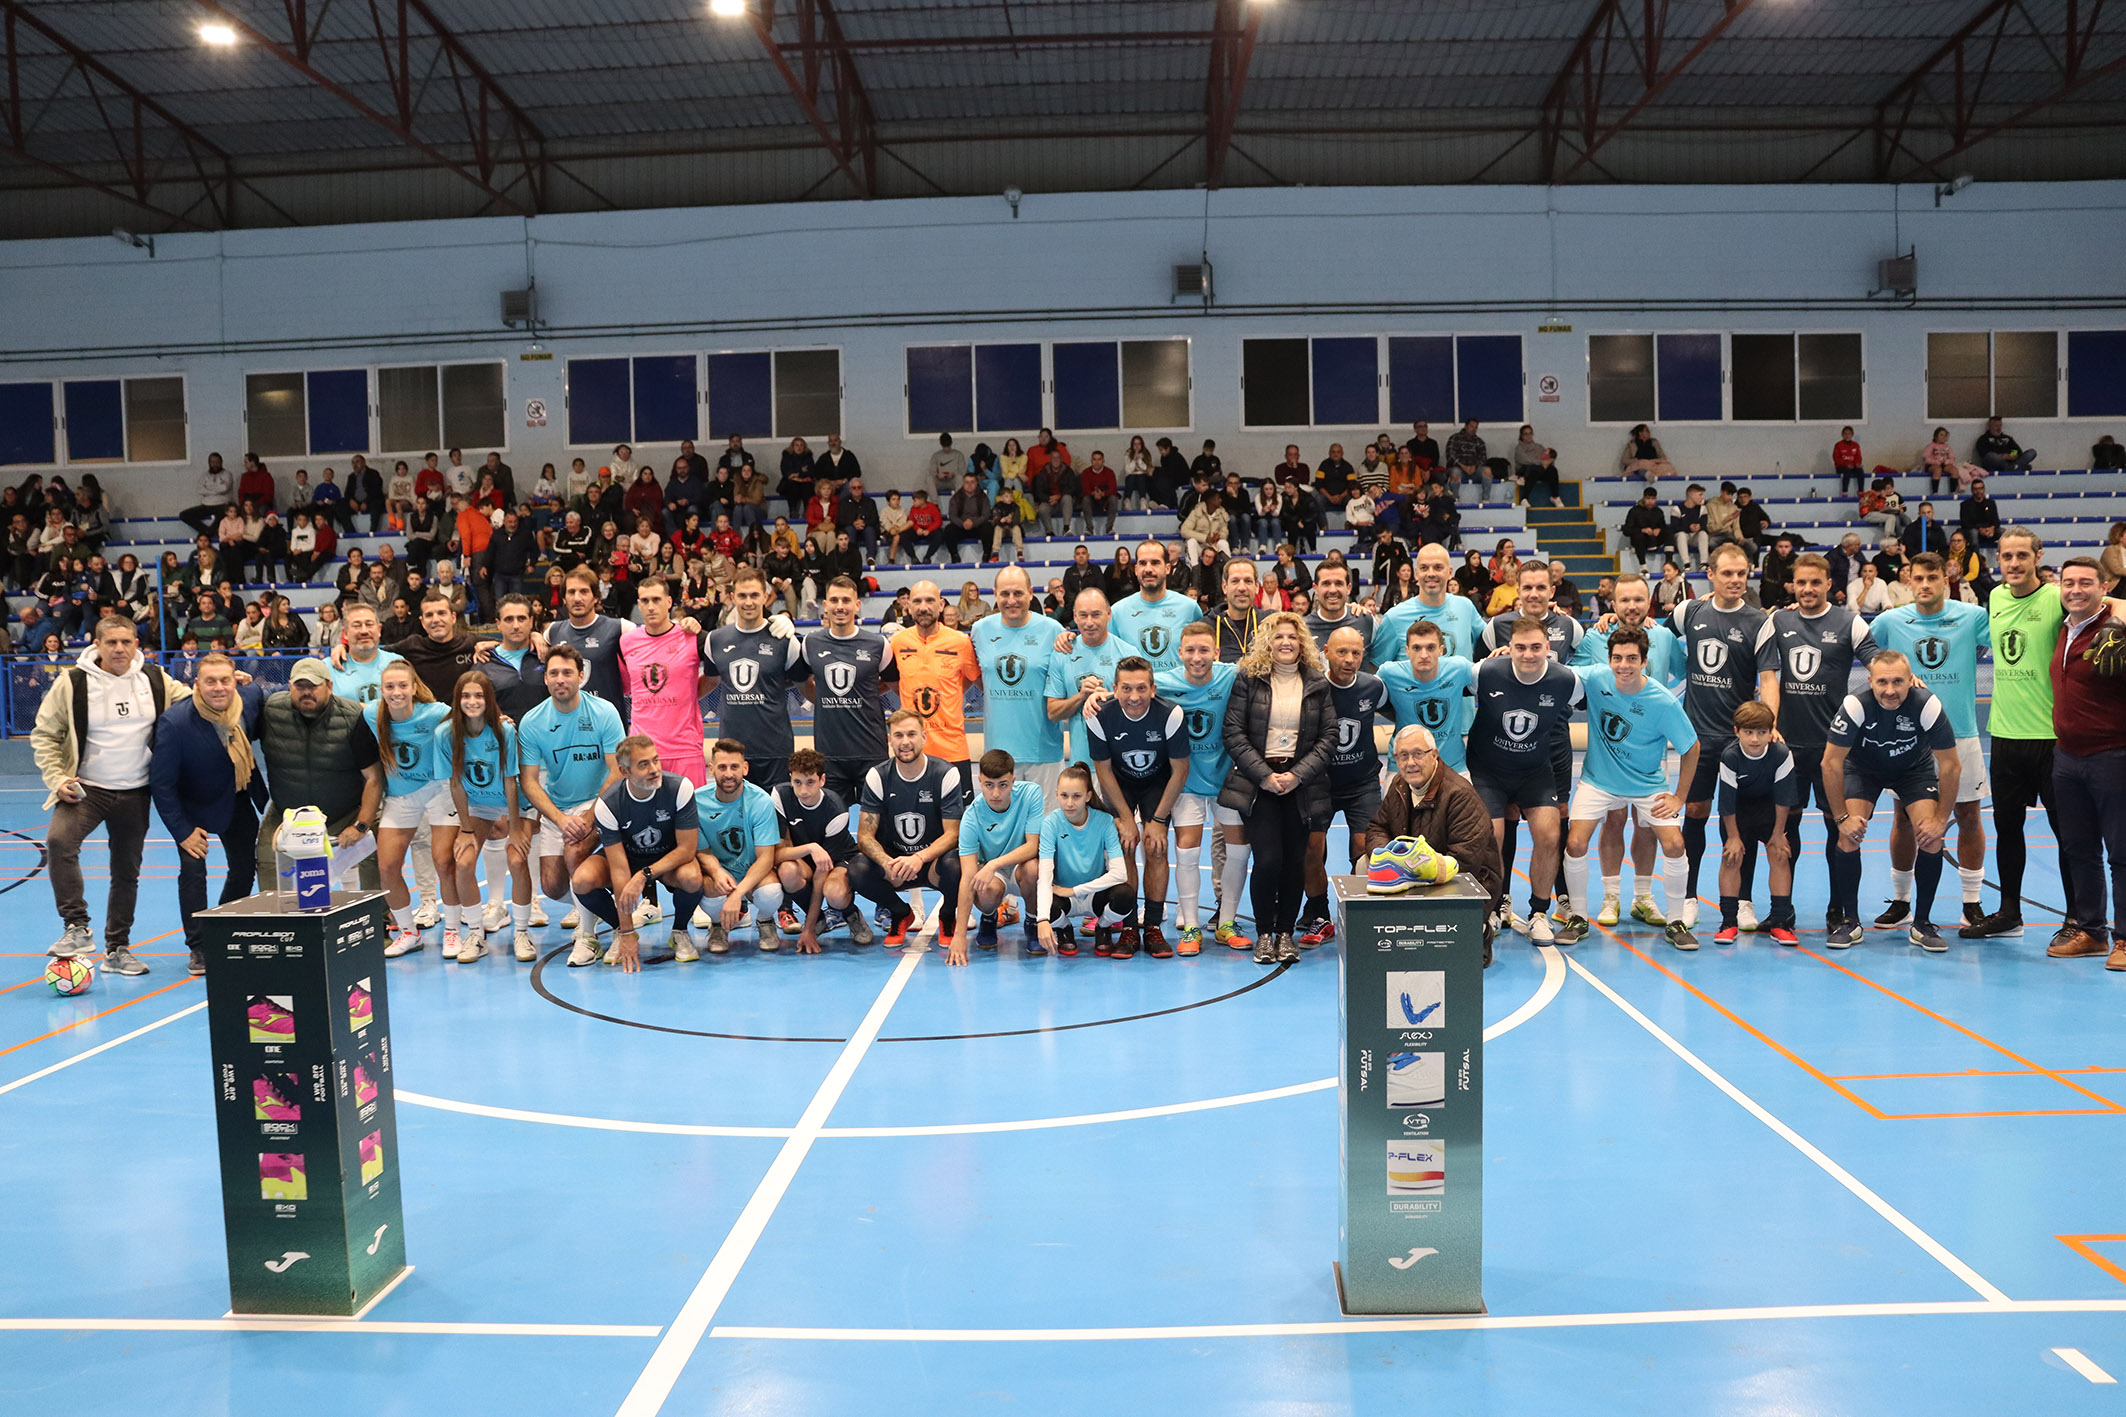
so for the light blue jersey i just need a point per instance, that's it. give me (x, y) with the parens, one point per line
(362, 682)
(1944, 653)
(1460, 623)
(1629, 735)
(1155, 629)
(411, 763)
(1015, 664)
(1665, 665)
(569, 749)
(490, 764)
(1442, 705)
(1080, 853)
(1209, 764)
(986, 834)
(734, 830)
(1065, 670)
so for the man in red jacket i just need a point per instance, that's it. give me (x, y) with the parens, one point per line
(1096, 488)
(2089, 761)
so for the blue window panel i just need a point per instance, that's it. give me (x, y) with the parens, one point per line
(1489, 367)
(1007, 387)
(1088, 385)
(667, 400)
(338, 410)
(598, 402)
(1346, 382)
(1421, 379)
(941, 389)
(742, 395)
(2096, 373)
(95, 421)
(1688, 370)
(26, 431)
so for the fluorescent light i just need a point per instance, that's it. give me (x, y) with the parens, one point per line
(218, 34)
(727, 9)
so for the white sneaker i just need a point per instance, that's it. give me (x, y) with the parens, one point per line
(427, 916)
(1612, 911)
(1539, 931)
(403, 943)
(1745, 918)
(495, 917)
(585, 952)
(526, 950)
(452, 943)
(647, 913)
(1689, 914)
(471, 945)
(538, 914)
(568, 922)
(684, 950)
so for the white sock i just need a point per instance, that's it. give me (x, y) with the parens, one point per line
(1974, 879)
(1668, 882)
(1613, 887)
(1576, 881)
(520, 916)
(1232, 882)
(402, 918)
(1188, 882)
(1900, 884)
(497, 871)
(450, 917)
(767, 899)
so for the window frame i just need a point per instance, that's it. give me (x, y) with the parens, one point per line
(1048, 384)
(2067, 376)
(125, 420)
(376, 408)
(701, 394)
(1794, 337)
(1384, 407)
(1656, 420)
(2062, 388)
(1373, 427)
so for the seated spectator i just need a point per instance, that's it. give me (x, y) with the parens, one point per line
(1008, 524)
(1776, 587)
(1688, 527)
(1997, 451)
(1097, 494)
(1868, 595)
(893, 524)
(1359, 512)
(270, 549)
(1541, 483)
(1890, 558)
(926, 527)
(2107, 452)
(1605, 595)
(1671, 590)
(856, 514)
(256, 485)
(971, 605)
(1966, 565)
(1846, 560)
(1266, 516)
(1646, 528)
(1423, 451)
(1753, 520)
(971, 518)
(1881, 505)
(1899, 592)
(329, 499)
(1299, 513)
(2111, 564)
(1643, 456)
(234, 551)
(1206, 527)
(1469, 461)
(1723, 516)
(1334, 480)
(1371, 474)
(1846, 461)
(1980, 518)
(398, 495)
(1926, 533)
(208, 625)
(1563, 593)
(795, 483)
(1405, 476)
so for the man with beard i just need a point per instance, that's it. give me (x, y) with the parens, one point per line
(847, 664)
(1457, 617)
(1015, 648)
(1152, 618)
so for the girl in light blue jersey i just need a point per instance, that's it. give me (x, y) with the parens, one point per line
(404, 720)
(478, 754)
(1081, 853)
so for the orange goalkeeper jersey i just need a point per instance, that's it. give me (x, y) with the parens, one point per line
(934, 674)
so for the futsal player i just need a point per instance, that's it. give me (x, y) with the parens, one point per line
(755, 661)
(1081, 863)
(648, 827)
(1632, 722)
(1429, 688)
(1087, 666)
(935, 664)
(568, 757)
(661, 665)
(1632, 602)
(1201, 690)
(1892, 735)
(1532, 584)
(908, 830)
(1014, 648)
(1152, 618)
(1140, 752)
(1000, 836)
(739, 838)
(1761, 792)
(812, 861)
(478, 750)
(1461, 623)
(846, 684)
(1521, 701)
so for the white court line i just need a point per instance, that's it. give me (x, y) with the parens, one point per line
(676, 1348)
(2076, 1359)
(1801, 1144)
(344, 1326)
(596, 1124)
(1349, 1327)
(1035, 1124)
(1553, 980)
(87, 1053)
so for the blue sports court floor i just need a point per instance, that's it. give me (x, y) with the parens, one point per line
(1746, 1180)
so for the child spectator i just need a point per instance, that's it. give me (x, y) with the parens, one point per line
(1846, 461)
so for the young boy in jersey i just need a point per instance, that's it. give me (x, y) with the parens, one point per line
(1759, 791)
(1201, 689)
(739, 838)
(1140, 750)
(999, 838)
(1354, 776)
(1082, 865)
(647, 830)
(812, 863)
(908, 832)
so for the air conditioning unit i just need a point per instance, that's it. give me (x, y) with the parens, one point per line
(1193, 281)
(518, 307)
(1898, 273)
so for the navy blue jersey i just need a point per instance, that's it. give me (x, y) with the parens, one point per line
(647, 826)
(1355, 761)
(1769, 777)
(1815, 660)
(1563, 630)
(1886, 743)
(824, 823)
(1515, 721)
(911, 814)
(1140, 749)
(599, 644)
(1726, 651)
(849, 719)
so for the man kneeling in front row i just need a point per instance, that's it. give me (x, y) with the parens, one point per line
(648, 827)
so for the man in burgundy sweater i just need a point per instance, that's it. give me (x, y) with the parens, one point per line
(2089, 762)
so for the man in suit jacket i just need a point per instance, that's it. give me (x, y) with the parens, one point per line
(207, 784)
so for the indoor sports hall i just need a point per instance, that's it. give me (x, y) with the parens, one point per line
(1735, 1176)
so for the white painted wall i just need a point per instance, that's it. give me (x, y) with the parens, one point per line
(873, 277)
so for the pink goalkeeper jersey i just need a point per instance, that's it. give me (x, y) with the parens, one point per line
(663, 675)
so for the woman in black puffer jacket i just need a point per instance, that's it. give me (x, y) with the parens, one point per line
(1280, 727)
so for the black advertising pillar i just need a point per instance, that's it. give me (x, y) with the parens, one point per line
(303, 1104)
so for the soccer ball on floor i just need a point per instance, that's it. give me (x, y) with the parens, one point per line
(68, 975)
(1405, 862)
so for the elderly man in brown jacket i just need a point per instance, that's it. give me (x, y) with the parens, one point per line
(1431, 800)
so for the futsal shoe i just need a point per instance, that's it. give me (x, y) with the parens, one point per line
(1643, 911)
(1783, 935)
(1689, 914)
(527, 949)
(1315, 933)
(1539, 930)
(985, 933)
(1066, 941)
(684, 949)
(1842, 936)
(2000, 924)
(569, 921)
(1746, 918)
(585, 951)
(123, 961)
(897, 933)
(538, 919)
(1727, 934)
(1612, 911)
(1924, 935)
(405, 942)
(452, 943)
(1225, 932)
(789, 921)
(1895, 913)
(1103, 941)
(764, 932)
(427, 917)
(1573, 930)
(1680, 936)
(472, 944)
(1125, 945)
(1266, 948)
(1973, 912)
(719, 939)
(648, 912)
(1395, 867)
(495, 916)
(1008, 912)
(859, 927)
(1155, 943)
(1190, 941)
(74, 942)
(2074, 943)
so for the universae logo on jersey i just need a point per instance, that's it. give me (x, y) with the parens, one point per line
(732, 839)
(745, 675)
(1615, 727)
(1931, 652)
(1140, 761)
(1805, 660)
(1347, 730)
(1154, 640)
(2010, 646)
(1712, 655)
(841, 679)
(1011, 668)
(909, 825)
(654, 678)
(648, 838)
(1518, 723)
(1201, 725)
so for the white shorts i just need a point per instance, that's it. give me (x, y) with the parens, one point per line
(1193, 810)
(550, 843)
(1043, 776)
(1591, 804)
(498, 812)
(1971, 784)
(431, 804)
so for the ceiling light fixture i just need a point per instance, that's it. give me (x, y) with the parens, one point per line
(727, 9)
(217, 34)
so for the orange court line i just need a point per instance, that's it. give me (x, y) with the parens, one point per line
(1972, 1073)
(2079, 1244)
(2046, 1112)
(2108, 1104)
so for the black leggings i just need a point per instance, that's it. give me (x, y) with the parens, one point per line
(1277, 832)
(1118, 898)
(869, 879)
